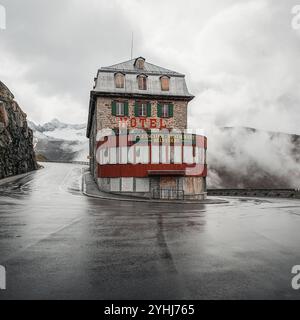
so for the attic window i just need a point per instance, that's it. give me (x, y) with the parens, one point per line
(140, 62)
(165, 83)
(142, 82)
(119, 80)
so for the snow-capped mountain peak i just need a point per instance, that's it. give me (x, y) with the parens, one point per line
(56, 140)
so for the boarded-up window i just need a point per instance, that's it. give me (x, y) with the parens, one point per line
(142, 82)
(119, 80)
(165, 83)
(140, 64)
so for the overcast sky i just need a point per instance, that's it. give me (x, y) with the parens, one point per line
(241, 58)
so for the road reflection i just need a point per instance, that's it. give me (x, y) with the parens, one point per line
(57, 243)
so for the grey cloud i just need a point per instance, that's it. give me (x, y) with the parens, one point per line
(240, 57)
(63, 43)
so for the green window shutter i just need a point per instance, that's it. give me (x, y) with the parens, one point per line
(126, 108)
(136, 109)
(148, 109)
(113, 108)
(171, 110)
(159, 111)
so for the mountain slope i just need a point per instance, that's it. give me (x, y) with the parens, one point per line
(57, 141)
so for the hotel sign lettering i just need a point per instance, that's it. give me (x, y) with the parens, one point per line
(145, 123)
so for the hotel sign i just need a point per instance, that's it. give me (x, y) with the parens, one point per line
(144, 123)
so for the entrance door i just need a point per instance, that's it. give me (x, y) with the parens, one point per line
(168, 182)
(168, 188)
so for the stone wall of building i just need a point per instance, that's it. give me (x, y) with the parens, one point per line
(105, 119)
(16, 146)
(185, 188)
(93, 149)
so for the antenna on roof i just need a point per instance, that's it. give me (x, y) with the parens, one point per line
(131, 45)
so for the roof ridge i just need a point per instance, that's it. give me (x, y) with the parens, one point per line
(116, 64)
(150, 68)
(162, 67)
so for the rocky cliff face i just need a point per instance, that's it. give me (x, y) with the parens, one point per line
(16, 139)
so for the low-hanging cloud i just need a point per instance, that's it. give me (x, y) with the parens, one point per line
(240, 57)
(242, 157)
(51, 50)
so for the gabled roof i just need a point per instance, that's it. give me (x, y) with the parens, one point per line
(149, 68)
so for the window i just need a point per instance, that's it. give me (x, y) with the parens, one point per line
(139, 63)
(142, 82)
(165, 110)
(119, 80)
(120, 110)
(165, 83)
(142, 109)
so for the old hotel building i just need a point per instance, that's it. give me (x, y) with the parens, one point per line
(146, 99)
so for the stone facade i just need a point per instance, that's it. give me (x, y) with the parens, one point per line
(105, 119)
(16, 139)
(190, 188)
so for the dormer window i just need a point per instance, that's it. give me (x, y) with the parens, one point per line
(165, 83)
(119, 80)
(139, 63)
(142, 82)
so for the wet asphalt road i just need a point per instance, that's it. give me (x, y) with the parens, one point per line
(58, 244)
